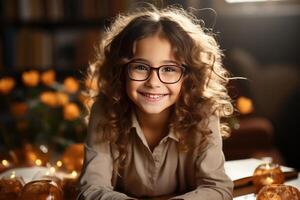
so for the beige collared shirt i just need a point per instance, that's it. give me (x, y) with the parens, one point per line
(164, 171)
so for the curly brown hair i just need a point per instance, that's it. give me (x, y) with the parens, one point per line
(203, 91)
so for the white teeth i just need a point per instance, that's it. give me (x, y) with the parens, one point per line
(153, 96)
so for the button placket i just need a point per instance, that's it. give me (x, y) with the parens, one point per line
(156, 154)
(151, 172)
(156, 162)
(157, 157)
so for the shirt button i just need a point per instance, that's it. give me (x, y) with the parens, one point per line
(156, 159)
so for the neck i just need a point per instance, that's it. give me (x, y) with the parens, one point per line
(158, 122)
(153, 120)
(154, 126)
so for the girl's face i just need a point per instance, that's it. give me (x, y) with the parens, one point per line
(151, 96)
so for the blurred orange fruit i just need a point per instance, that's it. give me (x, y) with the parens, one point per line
(31, 78)
(6, 85)
(49, 98)
(48, 77)
(62, 98)
(71, 111)
(244, 105)
(71, 85)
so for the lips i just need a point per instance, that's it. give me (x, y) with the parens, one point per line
(152, 97)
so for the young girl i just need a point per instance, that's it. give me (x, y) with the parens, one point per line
(154, 128)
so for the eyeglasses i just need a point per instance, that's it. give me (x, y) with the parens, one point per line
(168, 74)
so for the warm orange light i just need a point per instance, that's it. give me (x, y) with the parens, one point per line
(35, 156)
(13, 174)
(267, 174)
(74, 174)
(73, 157)
(6, 85)
(49, 98)
(38, 162)
(59, 163)
(42, 189)
(71, 85)
(5, 163)
(48, 77)
(244, 105)
(62, 98)
(31, 78)
(278, 191)
(52, 170)
(71, 111)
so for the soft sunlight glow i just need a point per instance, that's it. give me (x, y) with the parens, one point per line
(245, 1)
(59, 163)
(5, 163)
(13, 174)
(52, 170)
(74, 174)
(38, 162)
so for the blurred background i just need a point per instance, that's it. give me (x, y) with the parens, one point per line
(46, 45)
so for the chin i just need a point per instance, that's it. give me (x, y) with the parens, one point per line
(153, 110)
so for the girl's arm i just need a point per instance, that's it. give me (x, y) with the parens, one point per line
(96, 177)
(212, 181)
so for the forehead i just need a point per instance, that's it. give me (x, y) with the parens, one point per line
(154, 48)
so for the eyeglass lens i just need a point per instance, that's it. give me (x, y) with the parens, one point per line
(166, 73)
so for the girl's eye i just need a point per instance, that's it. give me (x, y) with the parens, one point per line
(169, 69)
(140, 67)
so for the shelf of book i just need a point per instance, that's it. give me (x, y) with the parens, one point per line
(58, 34)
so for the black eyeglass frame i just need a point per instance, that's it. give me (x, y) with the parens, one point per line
(181, 66)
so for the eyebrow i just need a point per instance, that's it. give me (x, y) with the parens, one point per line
(148, 62)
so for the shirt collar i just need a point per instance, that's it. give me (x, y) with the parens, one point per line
(136, 125)
(172, 135)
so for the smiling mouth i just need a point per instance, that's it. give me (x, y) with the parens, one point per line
(153, 96)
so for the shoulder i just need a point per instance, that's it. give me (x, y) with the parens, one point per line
(214, 124)
(211, 124)
(208, 131)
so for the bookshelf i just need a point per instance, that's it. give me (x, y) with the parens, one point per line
(52, 34)
(59, 34)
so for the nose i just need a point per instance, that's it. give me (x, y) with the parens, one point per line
(153, 80)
